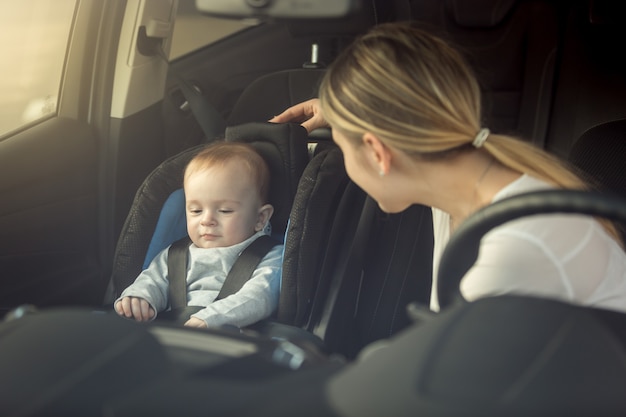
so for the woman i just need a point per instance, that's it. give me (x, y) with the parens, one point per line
(405, 109)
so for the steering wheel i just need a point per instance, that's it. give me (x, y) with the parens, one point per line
(462, 250)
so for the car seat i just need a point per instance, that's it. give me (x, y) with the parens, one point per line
(157, 216)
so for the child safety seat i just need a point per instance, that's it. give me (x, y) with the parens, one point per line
(157, 216)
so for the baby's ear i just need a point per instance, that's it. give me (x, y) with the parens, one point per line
(265, 213)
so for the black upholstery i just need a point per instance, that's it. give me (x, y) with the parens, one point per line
(500, 356)
(72, 362)
(352, 269)
(370, 292)
(282, 146)
(600, 153)
(398, 270)
(271, 94)
(321, 187)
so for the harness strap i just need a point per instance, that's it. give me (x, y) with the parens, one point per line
(177, 257)
(239, 274)
(244, 266)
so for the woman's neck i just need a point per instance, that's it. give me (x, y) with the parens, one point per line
(464, 185)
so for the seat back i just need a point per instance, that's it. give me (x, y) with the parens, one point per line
(350, 270)
(157, 215)
(498, 356)
(321, 187)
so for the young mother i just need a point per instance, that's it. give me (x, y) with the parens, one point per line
(405, 109)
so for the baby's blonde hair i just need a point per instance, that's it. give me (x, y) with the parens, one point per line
(219, 153)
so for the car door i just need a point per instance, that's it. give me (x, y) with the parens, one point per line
(48, 158)
(73, 151)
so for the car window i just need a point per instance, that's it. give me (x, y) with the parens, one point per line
(193, 30)
(33, 44)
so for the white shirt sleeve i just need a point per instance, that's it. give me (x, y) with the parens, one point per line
(567, 257)
(151, 284)
(562, 257)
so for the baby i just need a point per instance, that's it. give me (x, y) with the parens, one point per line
(226, 189)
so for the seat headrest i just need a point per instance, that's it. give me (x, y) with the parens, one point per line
(270, 94)
(599, 152)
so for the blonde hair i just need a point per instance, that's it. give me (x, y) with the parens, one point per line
(219, 153)
(416, 93)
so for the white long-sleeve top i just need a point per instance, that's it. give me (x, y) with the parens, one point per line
(206, 271)
(567, 257)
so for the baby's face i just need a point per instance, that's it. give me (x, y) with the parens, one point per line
(222, 206)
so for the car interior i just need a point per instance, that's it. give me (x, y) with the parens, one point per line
(352, 335)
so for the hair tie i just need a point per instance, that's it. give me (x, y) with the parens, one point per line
(481, 137)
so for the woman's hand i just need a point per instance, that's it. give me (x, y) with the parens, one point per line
(307, 113)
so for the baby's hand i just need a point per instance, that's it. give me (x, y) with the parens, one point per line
(194, 322)
(134, 307)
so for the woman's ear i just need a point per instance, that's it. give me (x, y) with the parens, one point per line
(379, 153)
(264, 215)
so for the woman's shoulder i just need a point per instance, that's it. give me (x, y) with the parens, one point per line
(557, 235)
(562, 229)
(524, 184)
